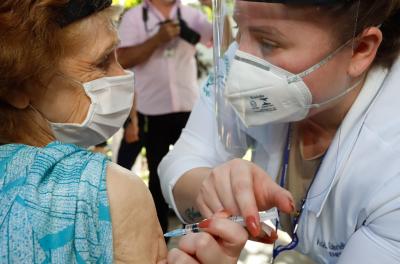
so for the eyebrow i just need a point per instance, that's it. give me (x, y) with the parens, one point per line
(109, 48)
(267, 30)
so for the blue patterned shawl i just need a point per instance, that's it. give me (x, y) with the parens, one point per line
(53, 205)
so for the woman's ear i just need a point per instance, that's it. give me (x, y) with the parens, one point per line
(17, 99)
(365, 51)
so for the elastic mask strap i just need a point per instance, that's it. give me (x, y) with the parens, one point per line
(335, 97)
(300, 76)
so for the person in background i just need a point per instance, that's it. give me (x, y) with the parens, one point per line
(158, 40)
(132, 141)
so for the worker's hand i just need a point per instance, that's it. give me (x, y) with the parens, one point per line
(131, 133)
(242, 188)
(221, 242)
(168, 31)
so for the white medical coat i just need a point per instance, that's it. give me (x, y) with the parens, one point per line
(352, 213)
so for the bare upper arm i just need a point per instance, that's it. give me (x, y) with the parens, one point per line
(137, 235)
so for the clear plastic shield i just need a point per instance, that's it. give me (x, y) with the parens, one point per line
(260, 74)
(230, 129)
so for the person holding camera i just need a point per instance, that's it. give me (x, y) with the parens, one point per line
(158, 39)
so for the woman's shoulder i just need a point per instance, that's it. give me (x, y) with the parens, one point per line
(54, 152)
(127, 186)
(54, 158)
(66, 153)
(137, 233)
(74, 160)
(55, 170)
(60, 188)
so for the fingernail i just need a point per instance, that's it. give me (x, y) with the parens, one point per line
(292, 206)
(205, 223)
(268, 239)
(252, 226)
(274, 235)
(291, 203)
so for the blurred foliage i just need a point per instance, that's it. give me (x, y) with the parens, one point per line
(127, 3)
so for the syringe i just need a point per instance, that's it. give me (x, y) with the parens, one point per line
(194, 228)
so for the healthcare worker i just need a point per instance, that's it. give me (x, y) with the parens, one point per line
(312, 88)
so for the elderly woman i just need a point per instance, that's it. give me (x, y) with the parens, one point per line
(61, 83)
(58, 76)
(58, 72)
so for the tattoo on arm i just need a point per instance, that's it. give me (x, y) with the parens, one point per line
(193, 215)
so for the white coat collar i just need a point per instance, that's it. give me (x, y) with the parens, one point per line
(344, 140)
(342, 144)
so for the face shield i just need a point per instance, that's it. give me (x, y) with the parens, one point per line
(284, 63)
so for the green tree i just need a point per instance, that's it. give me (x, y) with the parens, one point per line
(127, 3)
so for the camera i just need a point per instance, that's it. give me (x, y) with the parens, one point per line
(188, 34)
